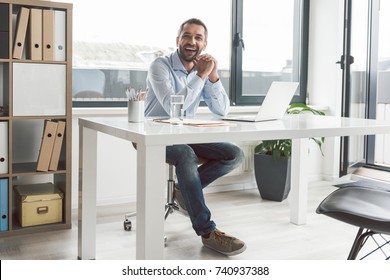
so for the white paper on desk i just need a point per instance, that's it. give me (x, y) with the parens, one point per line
(197, 122)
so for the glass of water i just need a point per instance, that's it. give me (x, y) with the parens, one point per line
(177, 112)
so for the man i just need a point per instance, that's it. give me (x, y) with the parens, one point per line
(192, 74)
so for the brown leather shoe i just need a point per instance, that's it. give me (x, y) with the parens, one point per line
(224, 243)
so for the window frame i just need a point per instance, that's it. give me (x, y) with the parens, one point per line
(300, 49)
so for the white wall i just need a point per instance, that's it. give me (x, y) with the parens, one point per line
(117, 181)
(116, 159)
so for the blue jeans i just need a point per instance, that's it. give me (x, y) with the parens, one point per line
(222, 159)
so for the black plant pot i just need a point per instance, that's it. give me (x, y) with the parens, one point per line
(272, 177)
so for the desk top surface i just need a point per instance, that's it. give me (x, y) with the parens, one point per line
(150, 132)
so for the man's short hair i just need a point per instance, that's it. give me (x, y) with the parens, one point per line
(193, 21)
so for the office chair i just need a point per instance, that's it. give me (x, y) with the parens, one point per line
(366, 208)
(170, 205)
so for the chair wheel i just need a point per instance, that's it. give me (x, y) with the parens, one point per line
(127, 225)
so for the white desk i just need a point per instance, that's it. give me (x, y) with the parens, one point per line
(152, 138)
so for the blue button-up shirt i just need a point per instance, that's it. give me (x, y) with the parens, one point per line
(167, 76)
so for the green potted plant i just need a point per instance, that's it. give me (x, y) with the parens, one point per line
(272, 161)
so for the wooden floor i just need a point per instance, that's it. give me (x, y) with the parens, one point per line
(263, 225)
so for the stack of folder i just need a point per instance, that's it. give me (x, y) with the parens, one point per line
(41, 33)
(50, 151)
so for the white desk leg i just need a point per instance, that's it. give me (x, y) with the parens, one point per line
(151, 175)
(298, 195)
(87, 193)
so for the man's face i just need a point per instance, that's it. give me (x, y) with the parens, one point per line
(191, 42)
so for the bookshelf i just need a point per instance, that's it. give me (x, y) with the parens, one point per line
(35, 88)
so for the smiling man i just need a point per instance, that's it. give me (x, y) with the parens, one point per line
(187, 72)
(190, 73)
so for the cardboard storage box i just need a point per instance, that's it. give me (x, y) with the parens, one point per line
(38, 204)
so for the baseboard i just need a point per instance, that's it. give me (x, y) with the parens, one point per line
(231, 187)
(372, 174)
(111, 201)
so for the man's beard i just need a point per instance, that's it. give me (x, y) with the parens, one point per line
(183, 53)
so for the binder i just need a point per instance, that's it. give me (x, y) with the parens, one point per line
(55, 156)
(21, 31)
(3, 147)
(35, 35)
(48, 35)
(59, 35)
(47, 144)
(3, 204)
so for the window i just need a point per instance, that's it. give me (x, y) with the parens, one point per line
(113, 47)
(270, 44)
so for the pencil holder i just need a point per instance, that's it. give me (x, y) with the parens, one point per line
(135, 110)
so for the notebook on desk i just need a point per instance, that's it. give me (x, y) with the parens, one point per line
(274, 105)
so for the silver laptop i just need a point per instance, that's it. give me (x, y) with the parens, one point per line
(274, 105)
